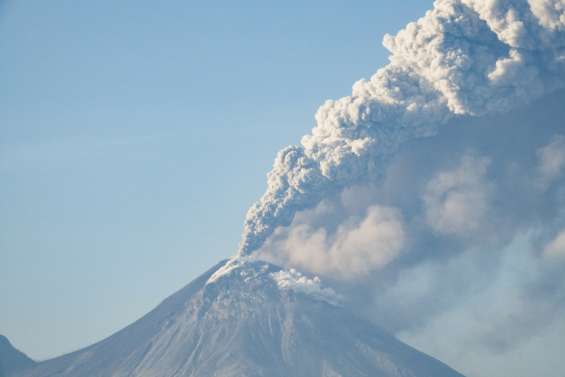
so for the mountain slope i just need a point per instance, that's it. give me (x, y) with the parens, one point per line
(247, 319)
(12, 360)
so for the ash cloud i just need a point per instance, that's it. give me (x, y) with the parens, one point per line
(480, 267)
(463, 58)
(551, 161)
(456, 201)
(433, 196)
(362, 242)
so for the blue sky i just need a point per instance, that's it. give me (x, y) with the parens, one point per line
(136, 134)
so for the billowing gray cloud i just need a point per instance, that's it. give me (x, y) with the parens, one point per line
(556, 247)
(433, 197)
(456, 201)
(361, 243)
(463, 58)
(551, 161)
(479, 268)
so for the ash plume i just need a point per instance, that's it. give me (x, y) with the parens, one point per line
(433, 196)
(464, 58)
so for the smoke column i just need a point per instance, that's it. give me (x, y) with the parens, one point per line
(463, 58)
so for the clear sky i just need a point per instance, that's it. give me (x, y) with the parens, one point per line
(135, 134)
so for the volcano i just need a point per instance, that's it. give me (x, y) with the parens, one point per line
(246, 318)
(11, 359)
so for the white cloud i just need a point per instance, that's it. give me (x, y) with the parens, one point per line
(479, 283)
(358, 246)
(464, 57)
(556, 248)
(296, 281)
(501, 324)
(550, 13)
(464, 61)
(456, 201)
(551, 161)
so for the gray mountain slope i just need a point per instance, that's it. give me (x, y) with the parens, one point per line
(247, 322)
(12, 360)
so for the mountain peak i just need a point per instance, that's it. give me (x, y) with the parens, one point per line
(263, 275)
(248, 318)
